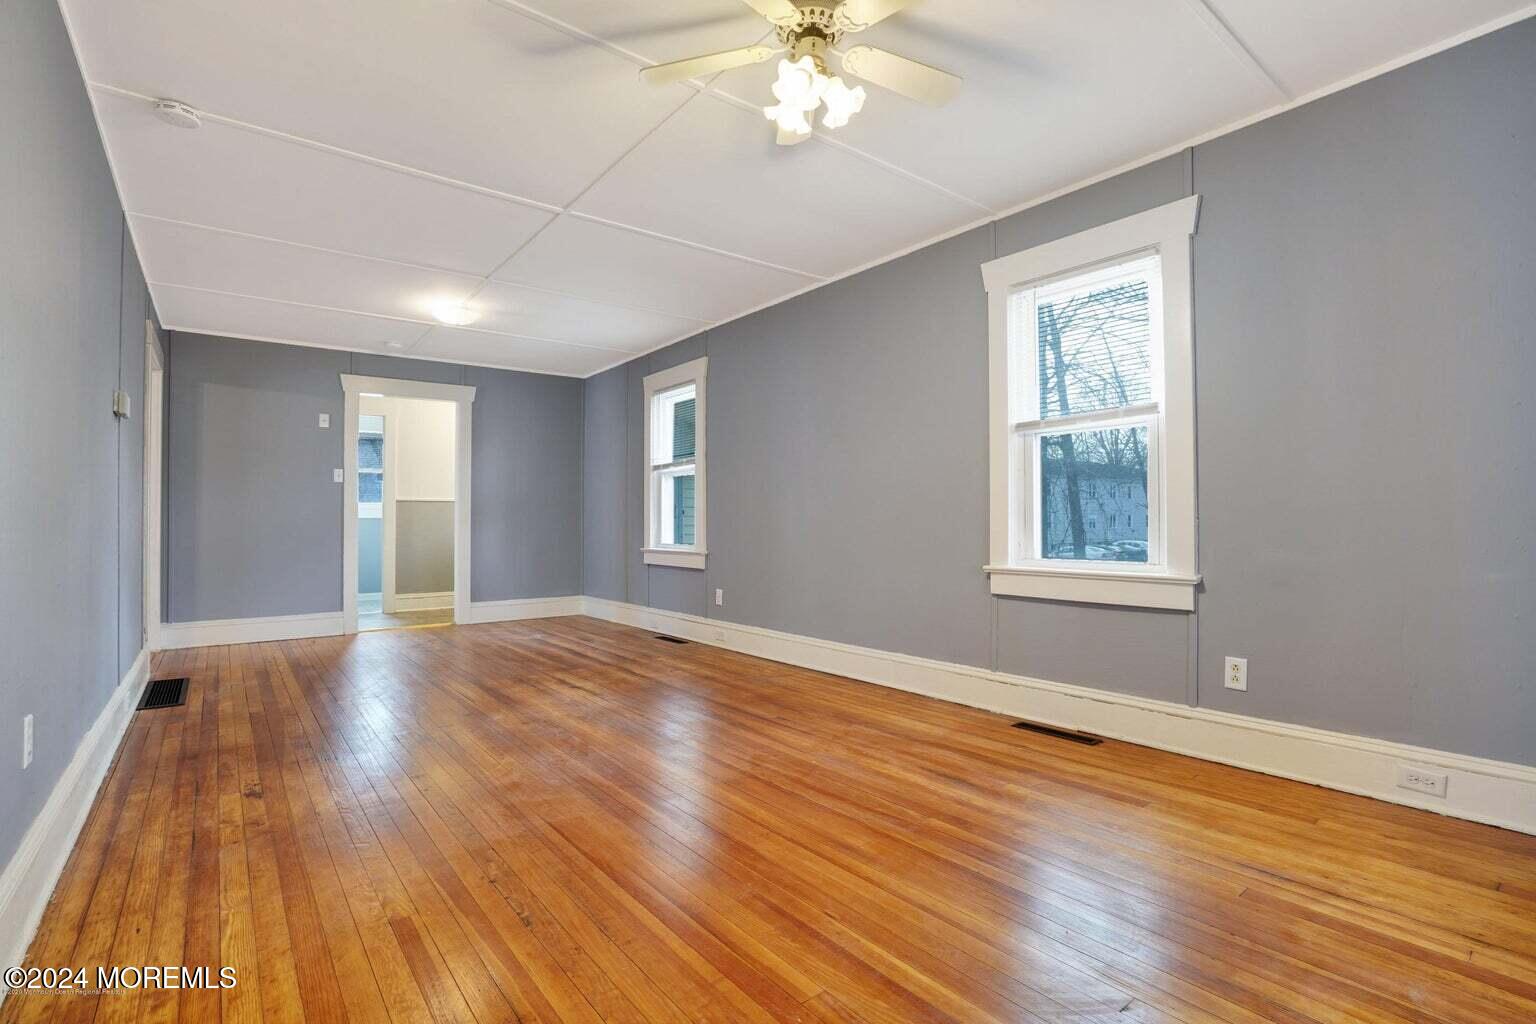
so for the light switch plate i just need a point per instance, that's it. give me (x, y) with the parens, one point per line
(336, 476)
(325, 421)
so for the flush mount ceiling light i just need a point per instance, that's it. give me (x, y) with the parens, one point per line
(453, 313)
(809, 29)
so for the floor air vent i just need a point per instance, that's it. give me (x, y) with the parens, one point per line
(1060, 734)
(671, 639)
(164, 693)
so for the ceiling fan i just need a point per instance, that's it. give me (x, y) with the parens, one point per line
(808, 30)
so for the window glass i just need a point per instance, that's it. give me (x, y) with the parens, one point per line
(683, 428)
(1095, 340)
(1080, 520)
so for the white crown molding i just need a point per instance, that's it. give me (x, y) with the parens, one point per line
(1479, 789)
(989, 217)
(217, 632)
(1113, 172)
(28, 880)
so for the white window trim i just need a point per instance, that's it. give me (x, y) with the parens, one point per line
(692, 556)
(1171, 584)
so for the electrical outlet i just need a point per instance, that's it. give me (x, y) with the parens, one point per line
(1236, 677)
(1421, 780)
(325, 421)
(336, 476)
(719, 597)
(26, 742)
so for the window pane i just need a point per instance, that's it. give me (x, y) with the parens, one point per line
(370, 451)
(682, 509)
(370, 488)
(682, 430)
(1096, 335)
(1093, 498)
(672, 425)
(675, 507)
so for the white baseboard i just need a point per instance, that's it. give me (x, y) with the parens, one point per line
(1494, 792)
(214, 632)
(28, 880)
(524, 608)
(423, 602)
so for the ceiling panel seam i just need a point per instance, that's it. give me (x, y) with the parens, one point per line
(1206, 11)
(452, 361)
(426, 267)
(643, 61)
(392, 317)
(417, 172)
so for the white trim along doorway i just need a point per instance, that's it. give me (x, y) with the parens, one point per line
(154, 406)
(463, 398)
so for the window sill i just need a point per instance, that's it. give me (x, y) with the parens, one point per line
(1095, 586)
(673, 557)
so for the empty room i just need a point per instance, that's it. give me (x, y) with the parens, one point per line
(748, 511)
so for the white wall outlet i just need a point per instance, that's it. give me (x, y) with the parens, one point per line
(26, 742)
(336, 476)
(122, 404)
(719, 597)
(1236, 676)
(1421, 780)
(325, 421)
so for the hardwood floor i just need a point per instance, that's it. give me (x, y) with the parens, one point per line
(569, 820)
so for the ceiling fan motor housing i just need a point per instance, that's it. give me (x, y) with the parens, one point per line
(815, 22)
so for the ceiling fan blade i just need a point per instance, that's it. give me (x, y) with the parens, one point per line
(898, 74)
(858, 15)
(790, 138)
(709, 64)
(780, 12)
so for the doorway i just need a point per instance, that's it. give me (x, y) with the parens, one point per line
(405, 504)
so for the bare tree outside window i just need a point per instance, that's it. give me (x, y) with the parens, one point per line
(1095, 354)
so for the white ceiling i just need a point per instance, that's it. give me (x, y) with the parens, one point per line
(361, 160)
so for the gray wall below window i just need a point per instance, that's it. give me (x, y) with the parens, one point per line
(423, 547)
(1363, 304)
(255, 518)
(72, 309)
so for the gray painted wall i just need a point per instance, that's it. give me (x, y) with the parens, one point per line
(255, 519)
(370, 556)
(423, 547)
(72, 310)
(1363, 304)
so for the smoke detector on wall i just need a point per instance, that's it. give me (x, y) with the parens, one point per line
(176, 113)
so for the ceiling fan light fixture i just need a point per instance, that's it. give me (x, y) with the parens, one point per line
(798, 89)
(842, 102)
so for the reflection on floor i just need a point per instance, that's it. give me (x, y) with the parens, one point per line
(522, 821)
(371, 615)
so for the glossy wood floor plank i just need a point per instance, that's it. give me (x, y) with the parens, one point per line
(566, 820)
